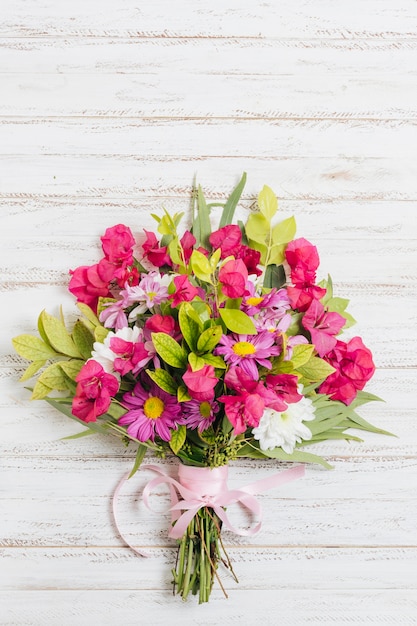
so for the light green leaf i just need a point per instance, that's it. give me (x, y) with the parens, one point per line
(32, 348)
(209, 339)
(169, 350)
(88, 313)
(316, 369)
(276, 254)
(297, 456)
(322, 426)
(140, 455)
(338, 305)
(260, 247)
(267, 202)
(257, 228)
(83, 339)
(284, 232)
(301, 354)
(214, 259)
(100, 333)
(231, 204)
(196, 362)
(31, 370)
(71, 368)
(215, 361)
(182, 394)
(58, 336)
(53, 377)
(40, 390)
(164, 380)
(237, 321)
(201, 266)
(178, 439)
(116, 410)
(190, 328)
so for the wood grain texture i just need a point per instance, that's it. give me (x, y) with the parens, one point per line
(107, 111)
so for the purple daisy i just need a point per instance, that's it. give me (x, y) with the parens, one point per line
(248, 351)
(200, 414)
(151, 412)
(276, 300)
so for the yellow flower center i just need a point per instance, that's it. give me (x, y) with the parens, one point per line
(243, 348)
(151, 295)
(254, 301)
(205, 409)
(153, 407)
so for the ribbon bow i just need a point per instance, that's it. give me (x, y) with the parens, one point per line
(202, 486)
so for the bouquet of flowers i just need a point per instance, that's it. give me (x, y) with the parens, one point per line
(209, 345)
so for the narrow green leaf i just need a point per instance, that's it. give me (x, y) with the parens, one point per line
(31, 370)
(32, 348)
(178, 439)
(359, 422)
(164, 380)
(83, 339)
(209, 339)
(169, 350)
(267, 202)
(232, 202)
(204, 215)
(140, 455)
(58, 336)
(116, 410)
(297, 456)
(323, 425)
(237, 321)
(214, 259)
(274, 277)
(83, 433)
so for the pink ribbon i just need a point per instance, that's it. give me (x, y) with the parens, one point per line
(202, 486)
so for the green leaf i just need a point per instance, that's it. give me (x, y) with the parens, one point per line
(201, 266)
(100, 333)
(209, 339)
(321, 426)
(51, 378)
(116, 410)
(140, 455)
(182, 394)
(178, 439)
(297, 456)
(338, 305)
(214, 259)
(32, 348)
(83, 433)
(359, 422)
(169, 350)
(274, 277)
(83, 339)
(40, 390)
(164, 380)
(215, 361)
(174, 249)
(71, 368)
(238, 322)
(204, 219)
(190, 329)
(31, 370)
(301, 354)
(250, 452)
(58, 336)
(284, 232)
(196, 362)
(257, 228)
(260, 247)
(267, 202)
(88, 313)
(316, 369)
(277, 254)
(231, 203)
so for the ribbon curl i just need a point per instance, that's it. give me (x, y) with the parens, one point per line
(202, 486)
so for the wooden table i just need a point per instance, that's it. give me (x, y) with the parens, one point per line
(107, 111)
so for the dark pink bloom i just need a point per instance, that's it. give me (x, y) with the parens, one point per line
(117, 243)
(302, 295)
(285, 386)
(303, 259)
(87, 285)
(184, 290)
(94, 391)
(201, 383)
(228, 239)
(251, 258)
(131, 356)
(354, 367)
(322, 327)
(157, 256)
(163, 324)
(233, 277)
(187, 242)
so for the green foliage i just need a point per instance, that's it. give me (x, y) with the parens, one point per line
(237, 321)
(190, 325)
(201, 267)
(164, 380)
(83, 339)
(231, 203)
(178, 439)
(169, 350)
(315, 369)
(33, 348)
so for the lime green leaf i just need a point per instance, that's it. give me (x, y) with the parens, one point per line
(42, 331)
(58, 336)
(276, 254)
(260, 247)
(53, 378)
(215, 361)
(321, 426)
(102, 302)
(182, 394)
(116, 410)
(40, 390)
(316, 369)
(31, 370)
(209, 339)
(231, 203)
(169, 350)
(338, 305)
(284, 231)
(237, 321)
(83, 339)
(88, 313)
(201, 266)
(140, 455)
(196, 362)
(301, 354)
(71, 368)
(178, 439)
(32, 348)
(190, 329)
(164, 380)
(100, 333)
(257, 228)
(297, 456)
(214, 259)
(267, 202)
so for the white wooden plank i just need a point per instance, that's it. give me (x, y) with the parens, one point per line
(286, 19)
(307, 178)
(363, 502)
(182, 94)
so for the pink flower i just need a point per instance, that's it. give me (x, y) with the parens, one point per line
(201, 383)
(227, 238)
(354, 367)
(251, 258)
(113, 315)
(94, 391)
(199, 414)
(302, 295)
(157, 256)
(233, 276)
(184, 290)
(87, 285)
(322, 327)
(130, 356)
(273, 304)
(163, 324)
(303, 259)
(117, 243)
(187, 242)
(151, 412)
(248, 351)
(285, 386)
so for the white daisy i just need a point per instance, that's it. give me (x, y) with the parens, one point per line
(285, 429)
(103, 354)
